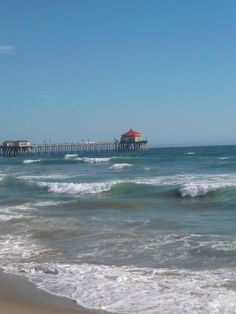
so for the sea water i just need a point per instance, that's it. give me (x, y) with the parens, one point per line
(142, 232)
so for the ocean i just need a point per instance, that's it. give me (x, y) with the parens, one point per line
(142, 232)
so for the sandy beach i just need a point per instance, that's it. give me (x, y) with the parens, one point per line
(18, 296)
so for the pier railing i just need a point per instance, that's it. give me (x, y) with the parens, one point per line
(72, 148)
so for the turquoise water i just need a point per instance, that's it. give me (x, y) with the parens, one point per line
(149, 232)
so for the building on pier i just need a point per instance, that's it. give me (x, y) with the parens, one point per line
(18, 143)
(132, 141)
(131, 137)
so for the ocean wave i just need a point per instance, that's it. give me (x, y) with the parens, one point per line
(95, 159)
(190, 153)
(120, 166)
(78, 188)
(91, 160)
(88, 160)
(201, 185)
(189, 248)
(31, 161)
(203, 188)
(45, 177)
(115, 187)
(8, 213)
(135, 290)
(191, 185)
(59, 187)
(7, 217)
(48, 203)
(9, 181)
(71, 156)
(188, 185)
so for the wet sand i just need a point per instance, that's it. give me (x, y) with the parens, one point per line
(18, 296)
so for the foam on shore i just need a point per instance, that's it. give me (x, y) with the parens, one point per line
(135, 290)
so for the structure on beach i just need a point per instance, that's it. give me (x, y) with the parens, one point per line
(130, 141)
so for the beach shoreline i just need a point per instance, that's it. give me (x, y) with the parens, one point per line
(19, 296)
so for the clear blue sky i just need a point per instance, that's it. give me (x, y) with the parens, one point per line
(82, 69)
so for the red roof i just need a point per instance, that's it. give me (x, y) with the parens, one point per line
(131, 133)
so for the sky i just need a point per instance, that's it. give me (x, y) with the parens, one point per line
(73, 70)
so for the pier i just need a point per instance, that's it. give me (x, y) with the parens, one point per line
(130, 141)
(71, 148)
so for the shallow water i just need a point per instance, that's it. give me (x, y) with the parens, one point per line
(150, 232)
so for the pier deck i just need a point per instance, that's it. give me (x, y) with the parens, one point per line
(72, 148)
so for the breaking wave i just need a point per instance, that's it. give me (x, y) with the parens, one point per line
(71, 156)
(46, 177)
(187, 185)
(194, 185)
(95, 159)
(115, 159)
(190, 153)
(203, 188)
(90, 160)
(120, 166)
(31, 161)
(78, 188)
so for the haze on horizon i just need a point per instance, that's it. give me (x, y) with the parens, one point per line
(73, 70)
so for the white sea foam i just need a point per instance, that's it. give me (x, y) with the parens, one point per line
(191, 185)
(45, 177)
(30, 161)
(203, 188)
(71, 156)
(48, 203)
(120, 166)
(129, 289)
(89, 160)
(201, 185)
(223, 158)
(8, 213)
(92, 160)
(17, 208)
(96, 160)
(8, 217)
(15, 249)
(137, 290)
(190, 153)
(184, 244)
(78, 188)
